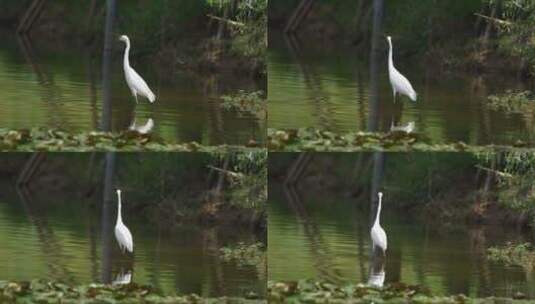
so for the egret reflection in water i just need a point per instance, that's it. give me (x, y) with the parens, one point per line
(377, 272)
(142, 129)
(408, 128)
(123, 277)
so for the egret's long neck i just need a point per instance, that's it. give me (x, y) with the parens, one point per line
(119, 217)
(390, 60)
(378, 212)
(126, 62)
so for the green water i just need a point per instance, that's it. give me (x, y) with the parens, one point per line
(51, 85)
(330, 88)
(320, 229)
(59, 236)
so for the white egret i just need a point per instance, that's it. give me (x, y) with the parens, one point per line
(399, 83)
(377, 232)
(122, 234)
(137, 85)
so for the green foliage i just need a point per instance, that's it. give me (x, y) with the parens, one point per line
(514, 254)
(245, 255)
(512, 102)
(308, 291)
(516, 30)
(40, 291)
(252, 102)
(515, 174)
(310, 139)
(248, 183)
(40, 139)
(249, 32)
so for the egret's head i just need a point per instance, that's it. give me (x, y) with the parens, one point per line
(388, 38)
(380, 194)
(119, 192)
(124, 38)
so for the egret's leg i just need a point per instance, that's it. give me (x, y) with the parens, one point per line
(135, 95)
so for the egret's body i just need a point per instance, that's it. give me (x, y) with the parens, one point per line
(122, 234)
(137, 85)
(377, 233)
(400, 84)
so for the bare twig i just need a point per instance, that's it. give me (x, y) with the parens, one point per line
(228, 172)
(231, 22)
(495, 20)
(499, 173)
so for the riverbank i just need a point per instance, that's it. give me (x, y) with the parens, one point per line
(307, 291)
(48, 140)
(310, 139)
(40, 291)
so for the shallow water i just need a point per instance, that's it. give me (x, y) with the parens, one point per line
(61, 239)
(310, 85)
(326, 236)
(60, 87)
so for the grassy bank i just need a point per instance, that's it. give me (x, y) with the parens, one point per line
(40, 139)
(322, 292)
(39, 291)
(310, 139)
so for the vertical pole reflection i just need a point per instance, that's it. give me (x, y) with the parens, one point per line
(373, 120)
(106, 222)
(106, 66)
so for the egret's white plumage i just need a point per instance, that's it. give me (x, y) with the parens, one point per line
(377, 233)
(122, 234)
(399, 83)
(137, 85)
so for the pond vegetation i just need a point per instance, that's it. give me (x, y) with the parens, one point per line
(41, 139)
(308, 291)
(40, 291)
(311, 139)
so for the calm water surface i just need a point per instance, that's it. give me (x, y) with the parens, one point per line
(327, 237)
(60, 87)
(57, 238)
(310, 85)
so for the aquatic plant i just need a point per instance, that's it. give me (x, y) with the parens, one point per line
(252, 102)
(41, 139)
(245, 254)
(310, 139)
(512, 102)
(41, 291)
(308, 291)
(514, 254)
